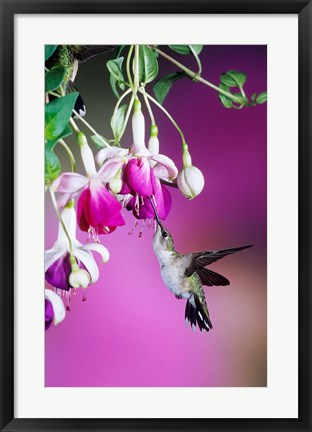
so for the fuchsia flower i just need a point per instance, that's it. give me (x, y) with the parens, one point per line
(162, 200)
(140, 170)
(54, 308)
(190, 179)
(98, 209)
(63, 271)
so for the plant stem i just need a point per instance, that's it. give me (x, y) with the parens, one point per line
(195, 77)
(54, 94)
(70, 154)
(120, 99)
(89, 126)
(75, 127)
(63, 93)
(128, 66)
(127, 116)
(58, 214)
(136, 67)
(148, 106)
(166, 112)
(242, 92)
(197, 60)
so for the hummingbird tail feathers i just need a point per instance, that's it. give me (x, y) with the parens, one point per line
(196, 313)
(79, 107)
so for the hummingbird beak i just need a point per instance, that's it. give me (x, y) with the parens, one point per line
(156, 214)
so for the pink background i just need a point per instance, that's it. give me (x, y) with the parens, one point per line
(131, 331)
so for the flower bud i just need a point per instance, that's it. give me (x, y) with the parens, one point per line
(190, 181)
(79, 277)
(115, 183)
(138, 124)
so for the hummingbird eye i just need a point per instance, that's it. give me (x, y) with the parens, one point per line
(164, 234)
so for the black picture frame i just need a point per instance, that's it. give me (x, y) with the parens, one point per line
(8, 9)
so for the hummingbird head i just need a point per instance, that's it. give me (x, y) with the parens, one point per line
(162, 239)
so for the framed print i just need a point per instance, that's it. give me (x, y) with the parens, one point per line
(164, 226)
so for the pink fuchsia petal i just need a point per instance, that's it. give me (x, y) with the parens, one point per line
(125, 189)
(63, 199)
(110, 152)
(98, 209)
(162, 201)
(107, 229)
(57, 305)
(140, 151)
(160, 171)
(69, 183)
(138, 176)
(168, 164)
(109, 169)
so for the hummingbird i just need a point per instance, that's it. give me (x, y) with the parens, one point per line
(70, 56)
(185, 274)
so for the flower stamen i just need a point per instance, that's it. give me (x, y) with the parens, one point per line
(133, 228)
(142, 228)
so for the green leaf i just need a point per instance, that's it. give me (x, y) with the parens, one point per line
(233, 78)
(54, 78)
(57, 114)
(49, 50)
(148, 66)
(162, 87)
(51, 142)
(99, 141)
(119, 50)
(117, 121)
(185, 49)
(112, 81)
(226, 102)
(116, 75)
(52, 166)
(262, 98)
(253, 97)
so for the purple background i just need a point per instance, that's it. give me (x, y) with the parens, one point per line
(130, 331)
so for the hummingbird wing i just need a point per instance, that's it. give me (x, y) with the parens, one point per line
(211, 278)
(201, 259)
(88, 51)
